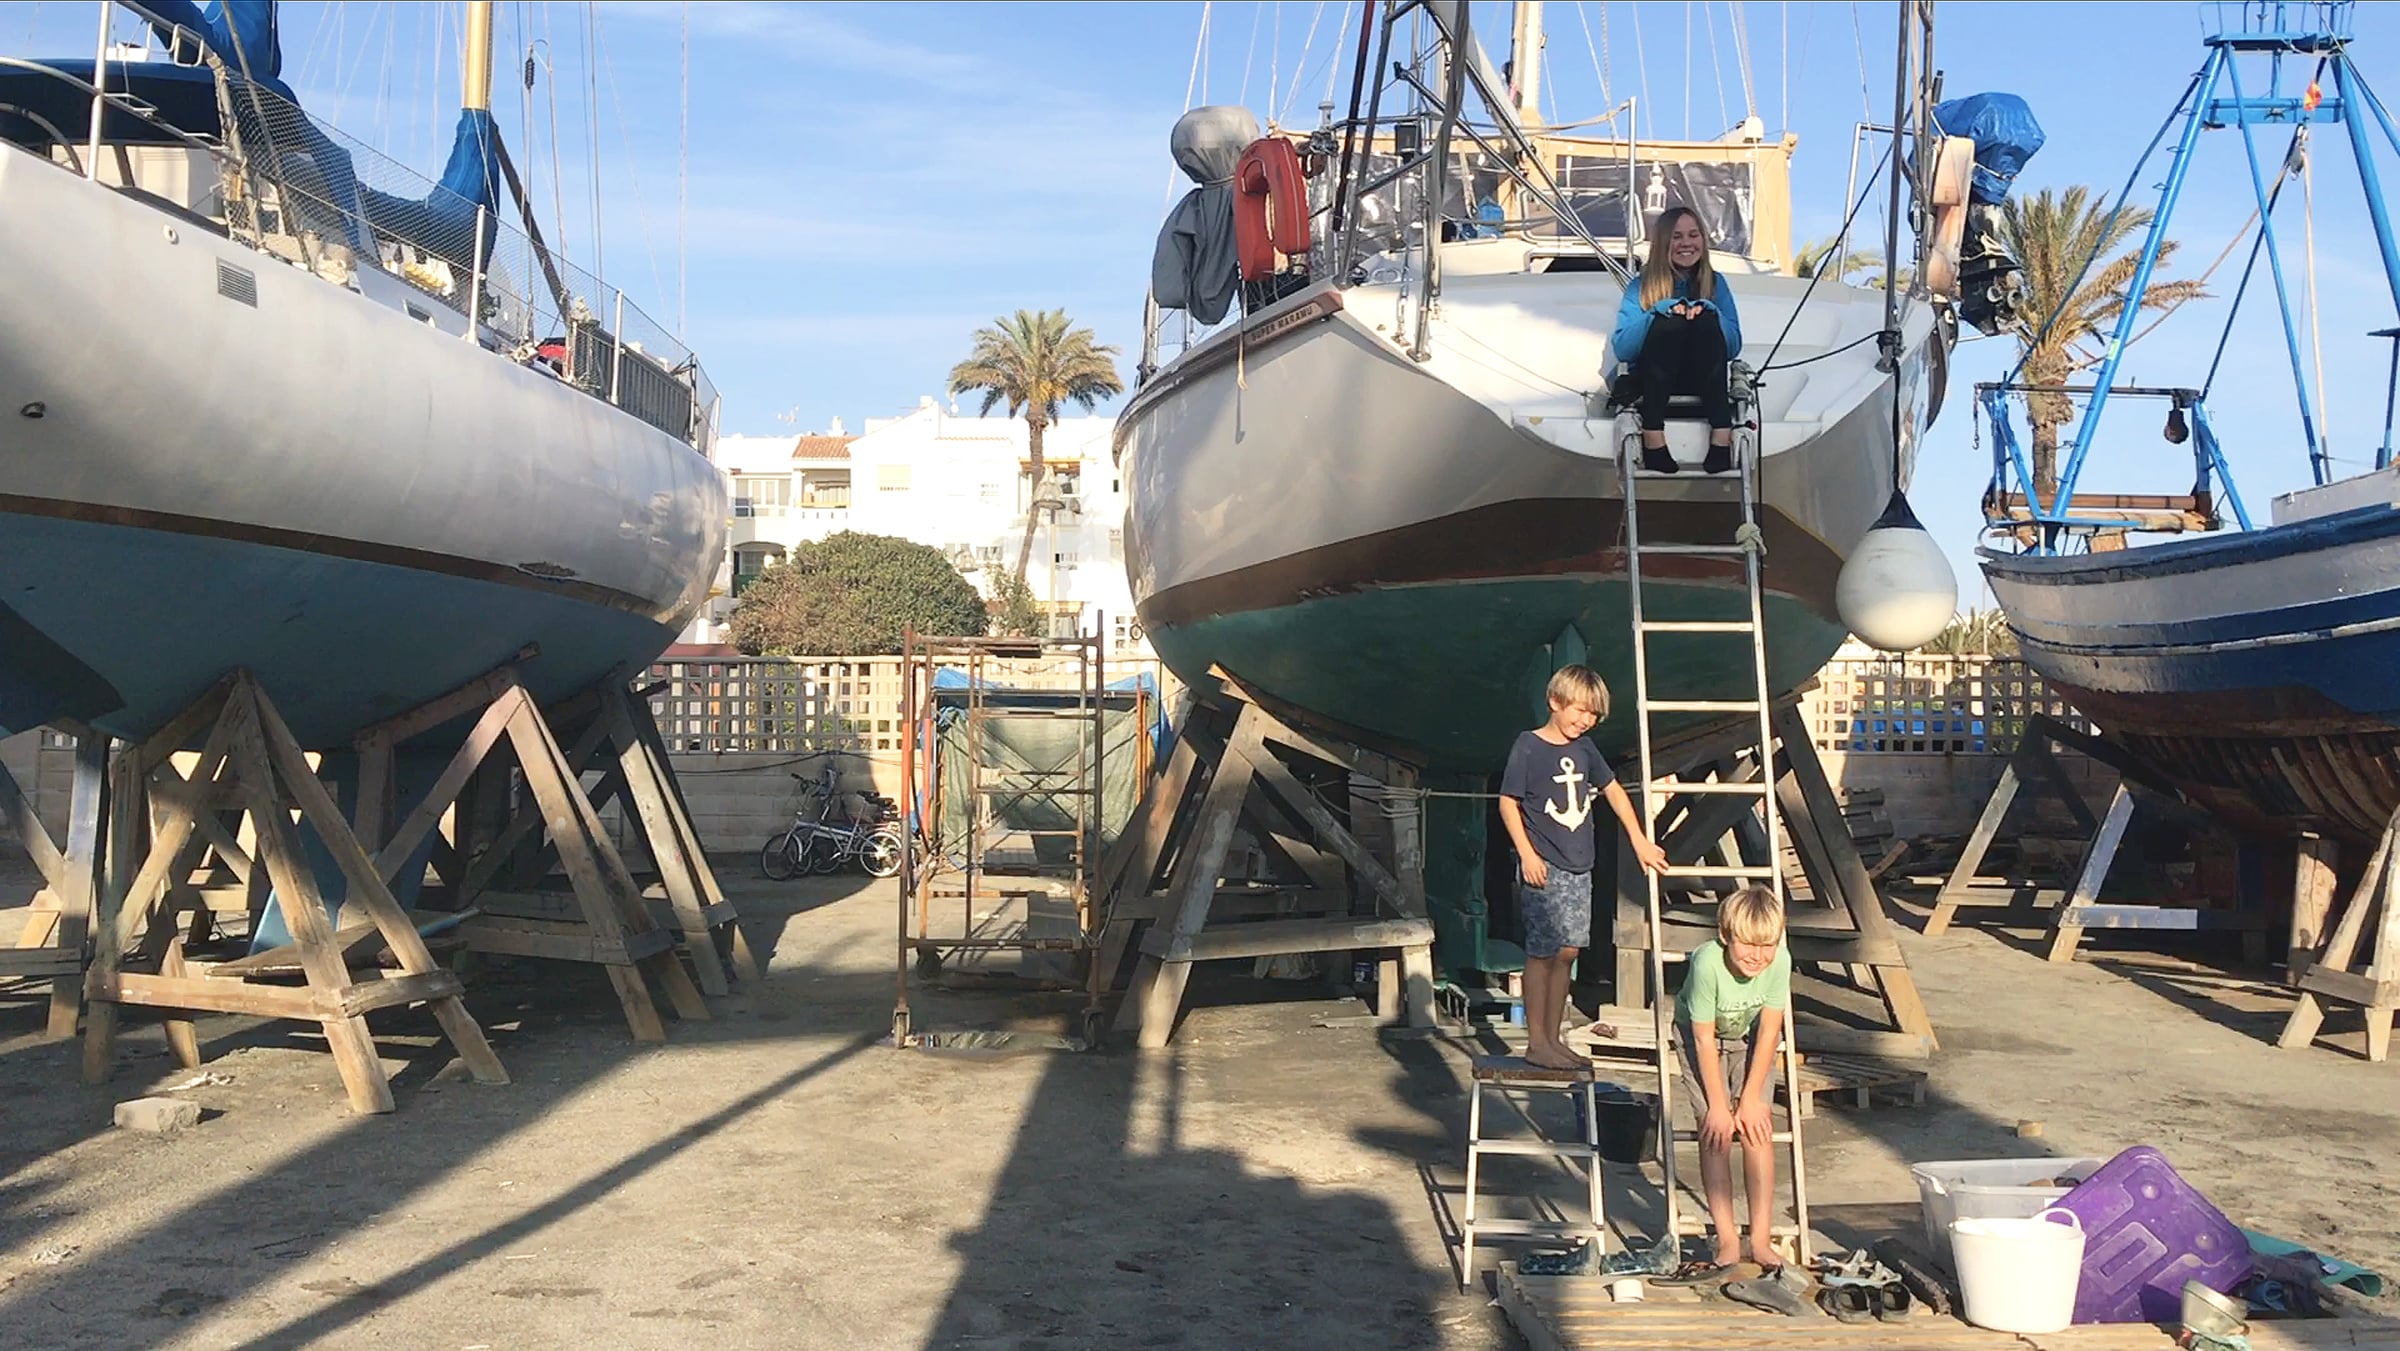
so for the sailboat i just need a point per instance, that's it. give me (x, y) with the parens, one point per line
(1387, 491)
(2257, 668)
(268, 401)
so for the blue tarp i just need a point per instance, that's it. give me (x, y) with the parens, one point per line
(243, 34)
(444, 223)
(2005, 135)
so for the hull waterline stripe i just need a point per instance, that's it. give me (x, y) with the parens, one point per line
(333, 546)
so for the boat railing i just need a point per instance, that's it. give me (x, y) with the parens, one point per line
(291, 186)
(327, 201)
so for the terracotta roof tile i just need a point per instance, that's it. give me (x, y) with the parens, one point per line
(823, 448)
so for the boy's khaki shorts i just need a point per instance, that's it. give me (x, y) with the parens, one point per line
(1733, 1059)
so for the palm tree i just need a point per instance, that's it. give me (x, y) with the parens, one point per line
(2053, 238)
(1818, 256)
(1035, 363)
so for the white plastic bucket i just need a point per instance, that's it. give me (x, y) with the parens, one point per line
(2019, 1275)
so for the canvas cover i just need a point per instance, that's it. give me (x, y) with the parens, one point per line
(1194, 267)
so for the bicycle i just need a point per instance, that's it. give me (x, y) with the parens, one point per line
(820, 846)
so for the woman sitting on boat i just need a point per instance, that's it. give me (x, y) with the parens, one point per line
(1678, 329)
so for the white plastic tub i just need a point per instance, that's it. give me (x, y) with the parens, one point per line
(2019, 1275)
(1965, 1189)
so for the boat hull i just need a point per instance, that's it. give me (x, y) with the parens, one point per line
(2260, 671)
(1387, 544)
(301, 479)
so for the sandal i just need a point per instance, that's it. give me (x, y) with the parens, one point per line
(1893, 1303)
(1771, 1292)
(1849, 1303)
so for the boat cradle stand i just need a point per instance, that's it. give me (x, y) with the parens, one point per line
(2320, 961)
(2078, 907)
(249, 766)
(57, 930)
(1239, 763)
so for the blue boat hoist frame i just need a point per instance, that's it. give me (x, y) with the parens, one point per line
(2302, 46)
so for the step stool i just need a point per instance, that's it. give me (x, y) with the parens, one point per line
(1504, 1076)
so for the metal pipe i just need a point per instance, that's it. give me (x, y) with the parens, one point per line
(477, 63)
(91, 154)
(1889, 359)
(2368, 177)
(616, 344)
(2217, 59)
(475, 280)
(1525, 60)
(2283, 298)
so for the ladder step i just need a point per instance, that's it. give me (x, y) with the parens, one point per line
(1672, 787)
(1697, 626)
(1527, 1228)
(1700, 549)
(1537, 1148)
(1704, 706)
(1714, 870)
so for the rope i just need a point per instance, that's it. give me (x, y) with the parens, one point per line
(2249, 269)
(1833, 352)
(1751, 539)
(1839, 240)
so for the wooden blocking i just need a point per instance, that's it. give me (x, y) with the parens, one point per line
(2315, 863)
(2371, 915)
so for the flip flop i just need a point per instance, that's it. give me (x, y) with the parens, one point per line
(1698, 1271)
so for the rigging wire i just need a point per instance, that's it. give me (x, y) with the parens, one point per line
(591, 105)
(1858, 39)
(1740, 10)
(1641, 54)
(1275, 60)
(1333, 56)
(1716, 65)
(1598, 73)
(1783, 71)
(1282, 112)
(633, 171)
(683, 186)
(1841, 238)
(1258, 11)
(2316, 314)
(2249, 268)
(1687, 69)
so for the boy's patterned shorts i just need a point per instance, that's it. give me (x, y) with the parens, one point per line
(1558, 915)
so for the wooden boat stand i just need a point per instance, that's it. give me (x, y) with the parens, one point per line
(2320, 963)
(250, 767)
(58, 929)
(1851, 931)
(1240, 762)
(2078, 908)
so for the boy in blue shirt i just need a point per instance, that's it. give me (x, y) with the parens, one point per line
(1727, 1019)
(1546, 793)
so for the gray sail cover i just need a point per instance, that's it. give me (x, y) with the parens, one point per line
(1195, 267)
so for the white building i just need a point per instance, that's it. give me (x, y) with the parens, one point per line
(957, 483)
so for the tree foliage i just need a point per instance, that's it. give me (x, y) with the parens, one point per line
(1975, 633)
(1036, 363)
(2053, 238)
(1818, 256)
(854, 594)
(1014, 613)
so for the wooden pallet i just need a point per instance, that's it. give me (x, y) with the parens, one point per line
(1575, 1313)
(1861, 1077)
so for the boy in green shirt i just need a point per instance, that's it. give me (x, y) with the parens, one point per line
(1727, 1017)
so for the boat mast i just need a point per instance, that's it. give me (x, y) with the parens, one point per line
(477, 73)
(1525, 61)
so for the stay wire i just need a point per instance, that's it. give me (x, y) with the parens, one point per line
(1835, 259)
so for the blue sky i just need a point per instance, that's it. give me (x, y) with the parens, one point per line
(866, 184)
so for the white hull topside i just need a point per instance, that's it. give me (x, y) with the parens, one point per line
(319, 419)
(1324, 432)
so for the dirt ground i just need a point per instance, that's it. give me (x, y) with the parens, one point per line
(777, 1178)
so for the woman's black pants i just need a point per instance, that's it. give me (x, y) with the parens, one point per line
(1684, 357)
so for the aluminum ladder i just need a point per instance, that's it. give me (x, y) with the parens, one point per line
(1748, 546)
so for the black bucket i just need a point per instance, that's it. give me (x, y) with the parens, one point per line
(1628, 1127)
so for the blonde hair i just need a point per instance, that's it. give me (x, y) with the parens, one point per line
(1579, 687)
(1751, 915)
(1658, 270)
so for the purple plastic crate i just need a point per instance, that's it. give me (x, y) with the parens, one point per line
(2146, 1232)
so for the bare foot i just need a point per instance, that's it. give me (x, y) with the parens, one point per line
(1554, 1058)
(1765, 1255)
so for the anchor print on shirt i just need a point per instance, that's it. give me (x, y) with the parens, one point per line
(1578, 809)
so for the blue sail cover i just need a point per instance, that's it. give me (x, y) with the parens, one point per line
(2005, 135)
(242, 33)
(444, 222)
